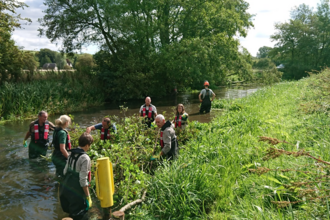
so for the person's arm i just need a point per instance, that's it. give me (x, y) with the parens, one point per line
(27, 135)
(90, 128)
(200, 97)
(83, 174)
(63, 137)
(64, 151)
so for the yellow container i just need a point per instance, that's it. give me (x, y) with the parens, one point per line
(105, 186)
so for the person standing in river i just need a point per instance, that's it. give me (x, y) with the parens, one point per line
(205, 98)
(74, 193)
(106, 128)
(39, 132)
(61, 143)
(148, 112)
(180, 120)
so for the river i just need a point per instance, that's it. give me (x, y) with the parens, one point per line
(27, 190)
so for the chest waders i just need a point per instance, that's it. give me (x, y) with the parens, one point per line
(58, 158)
(72, 195)
(206, 103)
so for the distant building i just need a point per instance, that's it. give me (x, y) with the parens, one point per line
(49, 66)
(281, 66)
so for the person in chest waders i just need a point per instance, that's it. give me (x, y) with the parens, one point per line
(39, 133)
(148, 112)
(168, 141)
(205, 98)
(106, 128)
(181, 118)
(74, 193)
(61, 143)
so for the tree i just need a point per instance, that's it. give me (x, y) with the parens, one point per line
(302, 44)
(263, 52)
(60, 61)
(146, 40)
(85, 63)
(10, 56)
(46, 56)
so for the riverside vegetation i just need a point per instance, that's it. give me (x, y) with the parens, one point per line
(52, 91)
(265, 157)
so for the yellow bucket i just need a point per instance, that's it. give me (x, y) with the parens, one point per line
(105, 187)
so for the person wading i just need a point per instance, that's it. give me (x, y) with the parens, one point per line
(61, 143)
(74, 193)
(148, 112)
(205, 98)
(180, 120)
(106, 128)
(39, 133)
(168, 141)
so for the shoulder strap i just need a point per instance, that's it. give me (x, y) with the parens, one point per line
(75, 158)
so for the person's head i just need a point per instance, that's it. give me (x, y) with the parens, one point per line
(63, 121)
(160, 120)
(106, 122)
(147, 101)
(179, 109)
(42, 116)
(85, 141)
(206, 84)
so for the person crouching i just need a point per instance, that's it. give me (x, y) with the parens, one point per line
(168, 141)
(74, 193)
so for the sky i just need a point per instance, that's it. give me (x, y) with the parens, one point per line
(267, 13)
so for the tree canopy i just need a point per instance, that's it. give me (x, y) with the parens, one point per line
(174, 42)
(302, 43)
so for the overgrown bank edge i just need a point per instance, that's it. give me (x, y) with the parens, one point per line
(214, 178)
(57, 93)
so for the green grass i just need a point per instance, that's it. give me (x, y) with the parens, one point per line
(212, 179)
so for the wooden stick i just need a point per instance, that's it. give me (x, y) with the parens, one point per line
(121, 213)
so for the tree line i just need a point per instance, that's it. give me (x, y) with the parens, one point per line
(152, 47)
(302, 43)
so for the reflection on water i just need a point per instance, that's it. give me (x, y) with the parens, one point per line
(26, 188)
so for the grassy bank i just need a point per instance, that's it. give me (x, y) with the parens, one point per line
(58, 93)
(226, 172)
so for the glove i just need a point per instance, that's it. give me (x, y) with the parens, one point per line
(24, 143)
(154, 157)
(89, 202)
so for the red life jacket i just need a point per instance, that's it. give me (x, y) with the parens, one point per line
(161, 140)
(103, 137)
(149, 112)
(36, 131)
(68, 140)
(178, 122)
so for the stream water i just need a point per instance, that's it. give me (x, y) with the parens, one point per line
(27, 190)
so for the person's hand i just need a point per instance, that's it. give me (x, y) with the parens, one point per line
(88, 130)
(201, 100)
(24, 143)
(89, 202)
(154, 157)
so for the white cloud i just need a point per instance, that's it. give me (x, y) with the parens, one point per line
(267, 13)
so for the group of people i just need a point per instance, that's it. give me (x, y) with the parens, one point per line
(73, 166)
